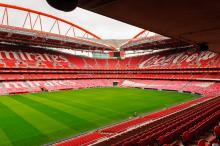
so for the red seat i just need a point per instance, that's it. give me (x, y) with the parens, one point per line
(202, 142)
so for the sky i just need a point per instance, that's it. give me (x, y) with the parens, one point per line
(102, 26)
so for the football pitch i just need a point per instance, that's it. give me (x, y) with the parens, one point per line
(41, 118)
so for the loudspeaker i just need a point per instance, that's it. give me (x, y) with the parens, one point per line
(63, 5)
(204, 47)
(117, 54)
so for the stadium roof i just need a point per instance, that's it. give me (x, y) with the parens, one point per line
(20, 25)
(194, 21)
(87, 40)
(104, 27)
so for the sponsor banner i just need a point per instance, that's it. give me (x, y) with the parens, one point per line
(20, 59)
(185, 59)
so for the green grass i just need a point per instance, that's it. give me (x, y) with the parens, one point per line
(36, 119)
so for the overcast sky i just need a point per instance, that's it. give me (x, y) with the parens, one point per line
(104, 27)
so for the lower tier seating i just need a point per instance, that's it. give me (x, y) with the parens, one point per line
(83, 140)
(190, 123)
(163, 127)
(51, 85)
(13, 87)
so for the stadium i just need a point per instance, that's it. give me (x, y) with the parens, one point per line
(62, 85)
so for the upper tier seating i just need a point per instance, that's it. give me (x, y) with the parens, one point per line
(20, 57)
(21, 64)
